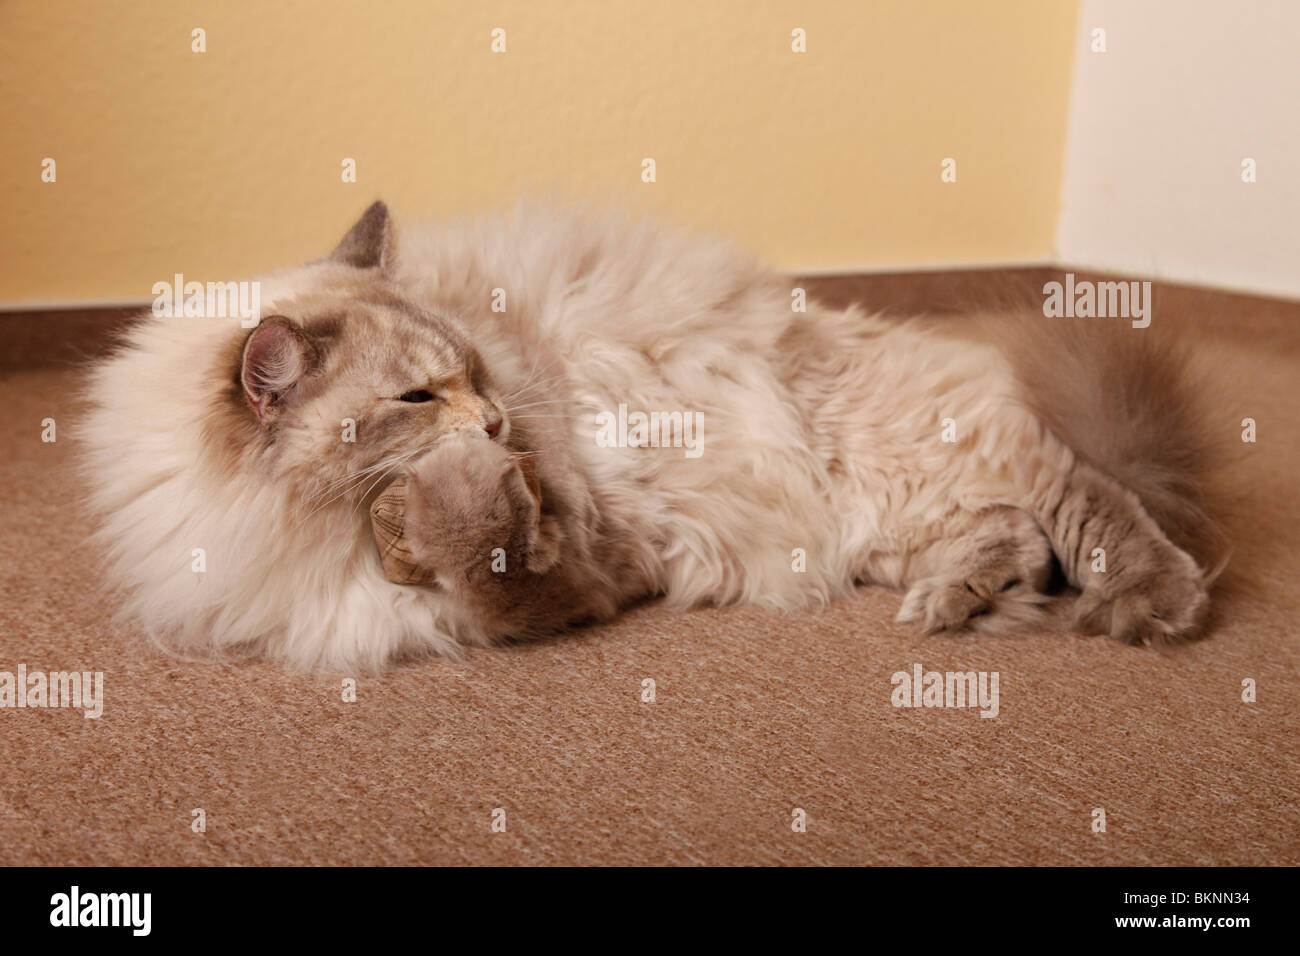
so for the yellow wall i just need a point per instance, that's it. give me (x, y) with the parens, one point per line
(226, 163)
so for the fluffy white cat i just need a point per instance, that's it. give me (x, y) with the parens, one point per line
(830, 448)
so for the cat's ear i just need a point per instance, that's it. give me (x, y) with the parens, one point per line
(368, 244)
(277, 355)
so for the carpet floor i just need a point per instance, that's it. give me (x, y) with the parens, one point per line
(755, 714)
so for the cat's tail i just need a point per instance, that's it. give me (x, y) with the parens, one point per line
(1132, 403)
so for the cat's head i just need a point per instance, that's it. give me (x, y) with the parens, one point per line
(348, 380)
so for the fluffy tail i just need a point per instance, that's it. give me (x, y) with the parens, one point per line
(1131, 403)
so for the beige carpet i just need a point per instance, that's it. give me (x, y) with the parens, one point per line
(756, 714)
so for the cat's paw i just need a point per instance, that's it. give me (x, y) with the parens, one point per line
(940, 606)
(466, 501)
(1160, 598)
(992, 598)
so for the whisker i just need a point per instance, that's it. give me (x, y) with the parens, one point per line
(351, 487)
(550, 401)
(356, 479)
(523, 392)
(345, 479)
(532, 375)
(372, 487)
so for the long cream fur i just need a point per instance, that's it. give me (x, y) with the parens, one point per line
(824, 460)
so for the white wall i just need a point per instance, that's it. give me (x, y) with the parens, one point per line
(1159, 125)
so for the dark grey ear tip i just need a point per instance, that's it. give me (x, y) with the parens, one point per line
(366, 244)
(374, 221)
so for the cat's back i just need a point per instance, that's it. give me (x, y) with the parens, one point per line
(580, 276)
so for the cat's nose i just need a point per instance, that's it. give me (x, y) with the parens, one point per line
(493, 427)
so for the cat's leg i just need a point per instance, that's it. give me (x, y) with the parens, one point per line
(1137, 585)
(984, 571)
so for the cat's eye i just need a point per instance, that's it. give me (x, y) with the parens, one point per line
(417, 395)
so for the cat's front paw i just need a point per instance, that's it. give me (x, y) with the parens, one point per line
(459, 508)
(1160, 596)
(941, 606)
(992, 598)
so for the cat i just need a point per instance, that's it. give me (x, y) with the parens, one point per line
(232, 471)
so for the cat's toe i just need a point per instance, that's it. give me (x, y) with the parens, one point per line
(942, 607)
(1159, 607)
(953, 607)
(989, 601)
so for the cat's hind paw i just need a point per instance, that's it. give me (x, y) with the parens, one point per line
(1151, 607)
(986, 601)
